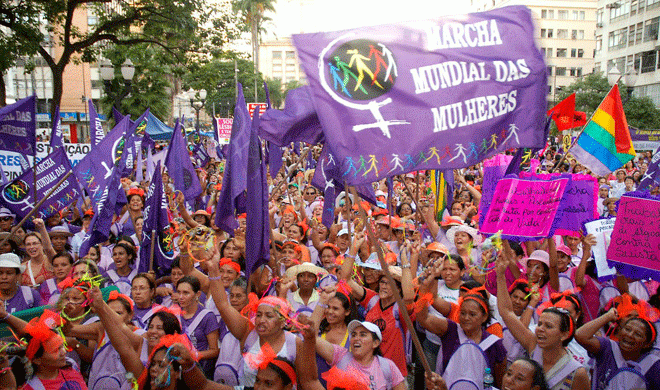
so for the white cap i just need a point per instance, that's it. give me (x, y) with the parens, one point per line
(11, 260)
(370, 326)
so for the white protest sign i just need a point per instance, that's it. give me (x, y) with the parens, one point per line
(602, 230)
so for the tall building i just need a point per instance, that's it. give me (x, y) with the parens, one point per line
(278, 60)
(627, 36)
(565, 33)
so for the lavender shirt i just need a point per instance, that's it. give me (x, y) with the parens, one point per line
(606, 367)
(25, 298)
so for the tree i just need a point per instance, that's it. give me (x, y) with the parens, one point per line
(217, 77)
(275, 92)
(253, 12)
(166, 23)
(590, 90)
(292, 84)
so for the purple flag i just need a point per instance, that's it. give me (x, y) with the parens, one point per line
(150, 164)
(327, 177)
(3, 177)
(180, 168)
(94, 171)
(56, 131)
(200, 155)
(137, 134)
(257, 228)
(18, 126)
(298, 121)
(652, 175)
(104, 209)
(274, 159)
(18, 195)
(437, 94)
(138, 169)
(267, 95)
(96, 132)
(234, 182)
(155, 218)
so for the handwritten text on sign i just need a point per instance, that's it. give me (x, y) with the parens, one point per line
(635, 245)
(524, 208)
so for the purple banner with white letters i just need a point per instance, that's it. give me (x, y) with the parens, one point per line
(18, 195)
(18, 126)
(434, 94)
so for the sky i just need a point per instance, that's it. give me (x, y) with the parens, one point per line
(306, 16)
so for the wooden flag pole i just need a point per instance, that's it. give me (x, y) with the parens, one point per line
(402, 306)
(36, 207)
(151, 250)
(563, 158)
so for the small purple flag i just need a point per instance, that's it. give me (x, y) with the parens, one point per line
(95, 169)
(138, 170)
(18, 126)
(56, 131)
(180, 168)
(234, 182)
(155, 218)
(150, 165)
(104, 209)
(298, 121)
(96, 132)
(200, 155)
(431, 94)
(257, 228)
(652, 175)
(18, 195)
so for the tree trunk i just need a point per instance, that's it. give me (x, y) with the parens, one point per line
(57, 72)
(3, 92)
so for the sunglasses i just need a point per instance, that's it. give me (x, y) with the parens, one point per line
(310, 193)
(6, 218)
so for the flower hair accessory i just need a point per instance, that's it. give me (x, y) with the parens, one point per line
(114, 295)
(267, 356)
(350, 378)
(41, 330)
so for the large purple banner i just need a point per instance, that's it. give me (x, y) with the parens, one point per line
(435, 94)
(18, 195)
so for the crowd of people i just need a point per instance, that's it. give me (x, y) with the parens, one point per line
(323, 313)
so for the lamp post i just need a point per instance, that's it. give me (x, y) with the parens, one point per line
(197, 100)
(108, 75)
(629, 79)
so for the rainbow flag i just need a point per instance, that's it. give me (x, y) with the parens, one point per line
(439, 189)
(605, 144)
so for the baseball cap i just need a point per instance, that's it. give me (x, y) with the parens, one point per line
(370, 326)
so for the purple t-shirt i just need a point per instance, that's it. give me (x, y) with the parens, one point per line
(25, 298)
(606, 367)
(198, 335)
(496, 353)
(374, 372)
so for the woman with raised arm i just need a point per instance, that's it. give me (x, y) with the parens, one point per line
(547, 345)
(271, 317)
(39, 250)
(628, 363)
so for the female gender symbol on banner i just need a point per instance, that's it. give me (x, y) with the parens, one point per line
(18, 192)
(356, 68)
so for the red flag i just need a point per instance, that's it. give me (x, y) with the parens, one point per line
(565, 116)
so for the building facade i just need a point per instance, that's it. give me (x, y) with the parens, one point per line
(565, 31)
(627, 37)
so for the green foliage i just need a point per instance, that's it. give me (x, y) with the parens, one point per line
(150, 85)
(590, 91)
(275, 91)
(292, 84)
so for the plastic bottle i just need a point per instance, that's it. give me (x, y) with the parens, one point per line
(488, 379)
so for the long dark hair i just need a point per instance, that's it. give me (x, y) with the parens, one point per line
(347, 304)
(566, 323)
(539, 377)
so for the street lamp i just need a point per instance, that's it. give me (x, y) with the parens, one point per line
(629, 79)
(197, 100)
(108, 75)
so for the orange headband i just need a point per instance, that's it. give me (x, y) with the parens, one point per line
(474, 297)
(267, 356)
(41, 330)
(231, 263)
(114, 295)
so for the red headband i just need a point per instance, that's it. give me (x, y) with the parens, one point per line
(518, 282)
(165, 342)
(474, 297)
(231, 263)
(41, 330)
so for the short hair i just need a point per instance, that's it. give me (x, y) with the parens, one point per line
(192, 281)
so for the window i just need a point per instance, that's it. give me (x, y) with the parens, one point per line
(548, 13)
(290, 55)
(560, 71)
(580, 53)
(617, 39)
(575, 15)
(580, 34)
(648, 61)
(277, 68)
(633, 7)
(563, 15)
(546, 52)
(582, 15)
(599, 44)
(277, 55)
(549, 69)
(599, 16)
(561, 52)
(562, 34)
(651, 29)
(576, 72)
(639, 33)
(650, 4)
(631, 35)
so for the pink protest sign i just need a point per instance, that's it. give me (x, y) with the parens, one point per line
(223, 127)
(635, 246)
(524, 208)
